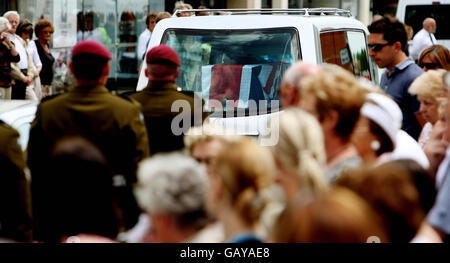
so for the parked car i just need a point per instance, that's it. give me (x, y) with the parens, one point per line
(413, 12)
(239, 58)
(19, 114)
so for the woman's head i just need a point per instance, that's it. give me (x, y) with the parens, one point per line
(370, 139)
(377, 128)
(429, 87)
(173, 185)
(434, 57)
(392, 192)
(299, 154)
(25, 29)
(337, 216)
(44, 30)
(240, 174)
(334, 97)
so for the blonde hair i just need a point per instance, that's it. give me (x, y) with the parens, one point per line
(162, 15)
(430, 83)
(336, 89)
(301, 149)
(246, 170)
(207, 132)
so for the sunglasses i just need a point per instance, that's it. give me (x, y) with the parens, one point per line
(428, 65)
(377, 47)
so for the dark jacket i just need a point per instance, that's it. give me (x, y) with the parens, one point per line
(114, 124)
(15, 200)
(164, 126)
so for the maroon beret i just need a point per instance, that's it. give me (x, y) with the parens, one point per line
(162, 53)
(91, 47)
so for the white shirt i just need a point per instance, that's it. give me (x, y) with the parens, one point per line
(23, 63)
(420, 42)
(142, 43)
(425, 134)
(32, 51)
(406, 148)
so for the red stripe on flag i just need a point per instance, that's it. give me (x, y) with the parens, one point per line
(225, 82)
(270, 80)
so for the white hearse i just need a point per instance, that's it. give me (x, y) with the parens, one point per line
(236, 60)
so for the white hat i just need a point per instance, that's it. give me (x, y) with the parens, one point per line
(385, 112)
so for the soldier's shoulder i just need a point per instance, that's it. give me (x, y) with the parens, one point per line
(7, 131)
(187, 94)
(123, 102)
(52, 99)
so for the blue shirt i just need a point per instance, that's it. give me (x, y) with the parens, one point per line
(439, 216)
(396, 85)
(247, 237)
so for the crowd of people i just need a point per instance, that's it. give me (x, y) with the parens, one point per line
(353, 162)
(27, 65)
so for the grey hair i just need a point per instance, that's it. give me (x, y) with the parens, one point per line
(4, 23)
(171, 184)
(9, 13)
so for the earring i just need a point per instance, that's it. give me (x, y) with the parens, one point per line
(375, 145)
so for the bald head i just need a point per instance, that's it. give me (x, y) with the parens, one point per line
(429, 24)
(290, 87)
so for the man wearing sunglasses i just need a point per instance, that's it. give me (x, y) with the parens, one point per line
(387, 45)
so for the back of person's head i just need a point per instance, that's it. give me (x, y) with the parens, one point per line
(14, 221)
(88, 66)
(335, 89)
(298, 70)
(391, 190)
(338, 216)
(173, 184)
(392, 29)
(300, 148)
(438, 54)
(423, 181)
(429, 84)
(4, 24)
(246, 170)
(162, 15)
(162, 64)
(89, 59)
(82, 191)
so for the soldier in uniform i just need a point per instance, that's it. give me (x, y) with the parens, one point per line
(112, 123)
(15, 202)
(166, 128)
